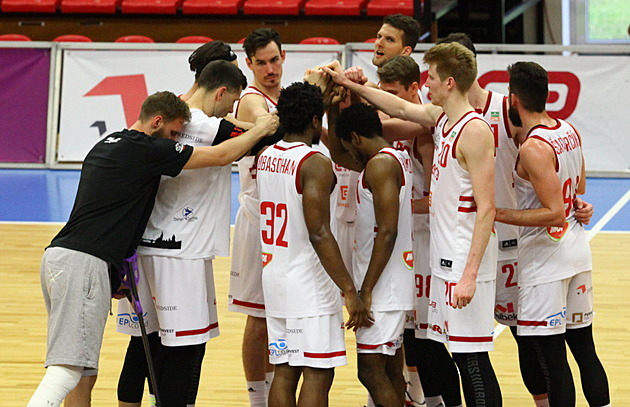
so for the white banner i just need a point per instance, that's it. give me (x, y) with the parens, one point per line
(590, 92)
(102, 90)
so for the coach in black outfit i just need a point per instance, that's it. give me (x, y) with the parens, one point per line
(117, 189)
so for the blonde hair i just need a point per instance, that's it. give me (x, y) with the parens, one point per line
(453, 60)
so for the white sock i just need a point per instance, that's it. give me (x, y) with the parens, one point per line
(268, 381)
(257, 394)
(435, 401)
(55, 386)
(414, 388)
(370, 402)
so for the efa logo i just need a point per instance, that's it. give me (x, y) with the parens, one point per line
(557, 233)
(408, 259)
(564, 90)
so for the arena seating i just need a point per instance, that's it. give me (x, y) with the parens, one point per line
(319, 40)
(387, 7)
(90, 6)
(150, 6)
(334, 7)
(14, 37)
(30, 6)
(194, 39)
(72, 38)
(273, 7)
(134, 38)
(228, 7)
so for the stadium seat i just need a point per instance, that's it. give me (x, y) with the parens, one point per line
(90, 6)
(30, 6)
(319, 40)
(150, 6)
(231, 7)
(273, 7)
(334, 7)
(387, 7)
(72, 38)
(370, 40)
(194, 39)
(242, 40)
(134, 38)
(14, 37)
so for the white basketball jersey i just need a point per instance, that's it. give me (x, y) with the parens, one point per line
(345, 190)
(420, 221)
(295, 283)
(248, 195)
(496, 116)
(191, 216)
(551, 253)
(395, 287)
(453, 210)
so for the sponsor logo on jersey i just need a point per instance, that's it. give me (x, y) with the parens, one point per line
(266, 258)
(494, 116)
(280, 348)
(408, 259)
(179, 147)
(508, 244)
(453, 135)
(446, 263)
(111, 140)
(557, 319)
(295, 331)
(129, 319)
(556, 233)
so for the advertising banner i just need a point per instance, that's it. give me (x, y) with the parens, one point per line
(588, 91)
(102, 90)
(24, 80)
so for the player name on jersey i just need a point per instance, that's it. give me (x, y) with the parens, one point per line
(277, 164)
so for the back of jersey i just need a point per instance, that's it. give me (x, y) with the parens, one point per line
(295, 283)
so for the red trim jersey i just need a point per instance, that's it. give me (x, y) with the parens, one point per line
(295, 283)
(248, 196)
(394, 289)
(496, 116)
(453, 210)
(419, 190)
(549, 254)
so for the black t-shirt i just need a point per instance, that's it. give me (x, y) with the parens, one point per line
(119, 181)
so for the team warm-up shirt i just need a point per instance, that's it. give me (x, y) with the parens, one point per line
(295, 284)
(191, 217)
(119, 180)
(453, 210)
(248, 196)
(495, 114)
(394, 289)
(549, 254)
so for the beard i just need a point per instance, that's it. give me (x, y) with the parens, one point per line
(515, 118)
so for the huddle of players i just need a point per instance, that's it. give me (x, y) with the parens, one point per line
(300, 323)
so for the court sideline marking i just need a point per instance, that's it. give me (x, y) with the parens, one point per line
(589, 236)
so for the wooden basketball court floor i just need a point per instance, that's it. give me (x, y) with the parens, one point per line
(23, 332)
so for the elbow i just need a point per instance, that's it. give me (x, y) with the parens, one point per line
(388, 235)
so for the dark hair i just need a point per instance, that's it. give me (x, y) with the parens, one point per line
(453, 60)
(222, 73)
(530, 82)
(259, 38)
(297, 105)
(401, 69)
(460, 38)
(211, 51)
(164, 104)
(361, 119)
(409, 26)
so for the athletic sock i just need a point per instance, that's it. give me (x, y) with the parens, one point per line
(55, 386)
(435, 401)
(268, 382)
(414, 388)
(257, 393)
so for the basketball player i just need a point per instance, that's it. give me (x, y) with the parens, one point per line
(303, 268)
(383, 258)
(116, 193)
(264, 58)
(435, 367)
(555, 298)
(463, 245)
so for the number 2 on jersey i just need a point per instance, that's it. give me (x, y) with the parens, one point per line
(271, 212)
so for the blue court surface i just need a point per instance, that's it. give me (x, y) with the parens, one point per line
(48, 195)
